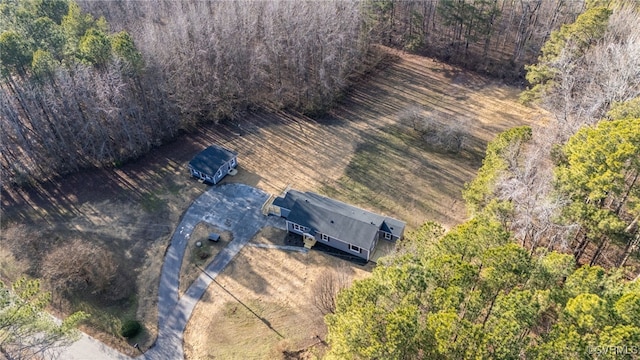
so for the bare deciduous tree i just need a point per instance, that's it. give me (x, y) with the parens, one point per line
(79, 266)
(203, 61)
(583, 91)
(494, 36)
(438, 129)
(325, 290)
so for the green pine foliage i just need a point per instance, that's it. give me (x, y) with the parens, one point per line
(37, 37)
(479, 192)
(124, 48)
(599, 176)
(474, 293)
(625, 110)
(570, 41)
(26, 330)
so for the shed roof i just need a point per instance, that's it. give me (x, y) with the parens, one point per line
(211, 159)
(337, 219)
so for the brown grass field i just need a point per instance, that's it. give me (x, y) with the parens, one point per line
(359, 152)
(261, 306)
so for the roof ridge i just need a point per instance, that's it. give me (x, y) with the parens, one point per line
(337, 211)
(312, 194)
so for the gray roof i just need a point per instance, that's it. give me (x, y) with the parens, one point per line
(209, 160)
(285, 202)
(337, 219)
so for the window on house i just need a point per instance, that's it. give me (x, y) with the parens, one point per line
(298, 227)
(354, 248)
(387, 236)
(325, 237)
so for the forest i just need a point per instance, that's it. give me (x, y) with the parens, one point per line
(76, 94)
(79, 91)
(545, 267)
(541, 268)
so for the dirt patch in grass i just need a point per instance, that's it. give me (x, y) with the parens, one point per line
(260, 306)
(198, 257)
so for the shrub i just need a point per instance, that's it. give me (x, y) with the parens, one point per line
(439, 129)
(130, 329)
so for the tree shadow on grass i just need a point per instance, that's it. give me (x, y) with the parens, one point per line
(266, 322)
(393, 169)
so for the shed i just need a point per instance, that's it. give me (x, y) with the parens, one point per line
(213, 163)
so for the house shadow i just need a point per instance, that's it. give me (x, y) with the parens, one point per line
(339, 254)
(294, 239)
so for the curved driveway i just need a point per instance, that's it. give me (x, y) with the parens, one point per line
(231, 207)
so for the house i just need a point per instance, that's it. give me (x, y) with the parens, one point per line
(213, 163)
(334, 223)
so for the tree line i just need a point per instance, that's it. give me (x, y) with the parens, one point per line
(490, 288)
(542, 269)
(80, 90)
(497, 37)
(574, 185)
(72, 94)
(76, 93)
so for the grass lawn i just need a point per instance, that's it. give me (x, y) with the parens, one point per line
(198, 257)
(261, 307)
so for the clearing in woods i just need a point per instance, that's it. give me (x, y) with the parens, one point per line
(360, 152)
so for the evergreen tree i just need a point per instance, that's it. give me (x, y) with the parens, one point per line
(26, 330)
(599, 174)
